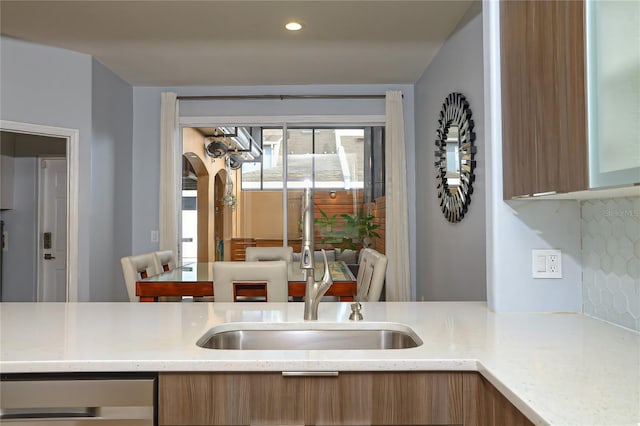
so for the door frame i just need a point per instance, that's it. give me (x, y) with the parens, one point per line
(73, 167)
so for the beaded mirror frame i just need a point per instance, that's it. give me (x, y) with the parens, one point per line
(455, 178)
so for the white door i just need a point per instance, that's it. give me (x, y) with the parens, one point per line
(52, 279)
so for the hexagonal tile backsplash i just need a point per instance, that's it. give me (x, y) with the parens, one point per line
(611, 260)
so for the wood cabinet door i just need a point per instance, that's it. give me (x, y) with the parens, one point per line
(406, 398)
(485, 406)
(385, 398)
(544, 126)
(230, 399)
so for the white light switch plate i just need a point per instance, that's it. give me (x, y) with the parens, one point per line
(546, 264)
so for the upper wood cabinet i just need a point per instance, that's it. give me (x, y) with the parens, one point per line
(544, 130)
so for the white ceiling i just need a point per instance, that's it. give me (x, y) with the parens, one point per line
(189, 43)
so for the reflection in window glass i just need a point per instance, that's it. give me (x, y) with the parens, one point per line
(300, 162)
(329, 157)
(349, 153)
(272, 163)
(265, 174)
(251, 175)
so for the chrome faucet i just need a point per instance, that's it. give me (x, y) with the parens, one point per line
(314, 290)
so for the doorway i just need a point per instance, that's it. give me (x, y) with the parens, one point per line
(196, 242)
(26, 274)
(219, 192)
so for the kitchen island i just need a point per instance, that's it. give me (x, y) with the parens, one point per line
(560, 369)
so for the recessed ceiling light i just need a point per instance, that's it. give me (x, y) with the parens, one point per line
(293, 26)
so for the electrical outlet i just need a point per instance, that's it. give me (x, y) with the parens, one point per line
(546, 264)
(553, 261)
(154, 236)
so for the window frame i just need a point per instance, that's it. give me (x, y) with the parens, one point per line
(313, 128)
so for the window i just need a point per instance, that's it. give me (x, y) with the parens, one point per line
(330, 157)
(344, 165)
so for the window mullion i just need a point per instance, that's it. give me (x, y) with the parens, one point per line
(285, 184)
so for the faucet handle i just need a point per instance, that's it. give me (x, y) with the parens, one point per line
(356, 315)
(327, 280)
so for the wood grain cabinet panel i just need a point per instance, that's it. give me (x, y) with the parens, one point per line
(485, 406)
(417, 398)
(203, 399)
(229, 399)
(351, 398)
(404, 398)
(544, 124)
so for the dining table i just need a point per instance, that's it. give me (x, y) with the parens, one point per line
(196, 280)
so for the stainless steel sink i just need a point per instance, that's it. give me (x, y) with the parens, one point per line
(316, 336)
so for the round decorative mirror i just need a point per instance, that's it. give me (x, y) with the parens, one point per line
(455, 152)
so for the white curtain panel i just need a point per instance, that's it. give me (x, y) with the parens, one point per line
(170, 157)
(398, 283)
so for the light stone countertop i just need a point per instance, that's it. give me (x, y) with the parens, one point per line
(560, 369)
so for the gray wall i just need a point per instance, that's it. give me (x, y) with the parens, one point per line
(56, 87)
(514, 228)
(451, 262)
(111, 166)
(50, 86)
(146, 136)
(20, 266)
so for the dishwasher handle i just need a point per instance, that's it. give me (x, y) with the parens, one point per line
(79, 415)
(47, 413)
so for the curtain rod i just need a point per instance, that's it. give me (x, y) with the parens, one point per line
(278, 97)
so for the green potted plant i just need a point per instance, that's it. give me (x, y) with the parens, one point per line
(326, 226)
(356, 230)
(359, 229)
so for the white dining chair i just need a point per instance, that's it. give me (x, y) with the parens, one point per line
(371, 275)
(255, 254)
(164, 260)
(274, 274)
(134, 268)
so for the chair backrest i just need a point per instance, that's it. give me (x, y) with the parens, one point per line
(134, 268)
(273, 273)
(348, 256)
(371, 274)
(164, 260)
(255, 254)
(317, 256)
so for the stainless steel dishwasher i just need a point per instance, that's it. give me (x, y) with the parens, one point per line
(78, 400)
